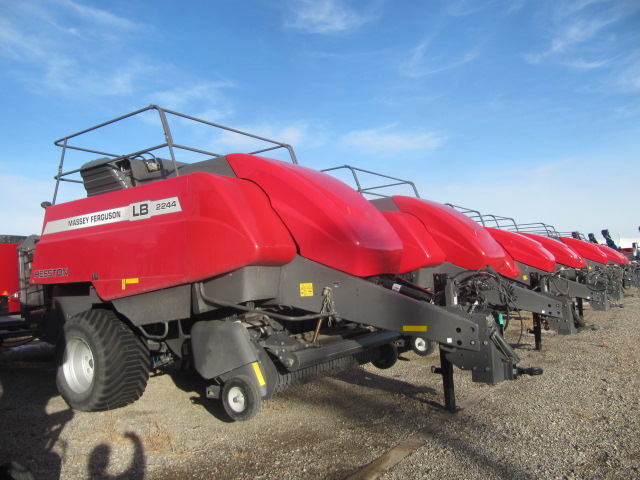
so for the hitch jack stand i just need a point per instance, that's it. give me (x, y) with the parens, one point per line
(446, 370)
(580, 307)
(537, 330)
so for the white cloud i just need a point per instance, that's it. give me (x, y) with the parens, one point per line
(580, 64)
(387, 140)
(325, 16)
(592, 35)
(629, 110)
(71, 49)
(423, 62)
(461, 8)
(628, 76)
(586, 27)
(97, 16)
(570, 36)
(571, 8)
(194, 96)
(62, 47)
(296, 135)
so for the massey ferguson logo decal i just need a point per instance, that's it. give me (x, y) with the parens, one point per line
(51, 272)
(130, 213)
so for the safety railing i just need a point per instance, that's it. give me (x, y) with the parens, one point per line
(358, 181)
(71, 142)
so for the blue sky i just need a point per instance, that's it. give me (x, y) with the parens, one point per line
(529, 109)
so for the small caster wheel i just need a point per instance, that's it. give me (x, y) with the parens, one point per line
(241, 398)
(422, 347)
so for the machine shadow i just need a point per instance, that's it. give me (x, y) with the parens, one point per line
(100, 458)
(31, 428)
(371, 380)
(188, 380)
(30, 433)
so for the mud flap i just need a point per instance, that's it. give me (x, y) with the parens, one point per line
(223, 350)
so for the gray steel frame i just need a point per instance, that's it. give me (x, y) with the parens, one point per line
(353, 299)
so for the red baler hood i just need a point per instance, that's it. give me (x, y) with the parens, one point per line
(590, 251)
(464, 242)
(613, 255)
(525, 250)
(420, 249)
(331, 223)
(564, 254)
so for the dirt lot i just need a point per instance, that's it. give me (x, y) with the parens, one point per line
(580, 419)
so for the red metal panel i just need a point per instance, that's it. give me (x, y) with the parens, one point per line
(525, 250)
(331, 223)
(464, 242)
(613, 255)
(564, 254)
(9, 284)
(159, 235)
(420, 249)
(587, 250)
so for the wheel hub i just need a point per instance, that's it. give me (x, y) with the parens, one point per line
(78, 365)
(237, 400)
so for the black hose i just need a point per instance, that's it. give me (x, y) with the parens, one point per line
(577, 318)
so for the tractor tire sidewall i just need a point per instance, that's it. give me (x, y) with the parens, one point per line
(121, 361)
(79, 401)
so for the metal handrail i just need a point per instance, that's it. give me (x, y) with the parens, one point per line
(538, 228)
(368, 191)
(163, 113)
(509, 224)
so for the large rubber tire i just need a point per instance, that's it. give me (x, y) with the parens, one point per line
(422, 347)
(387, 356)
(241, 398)
(102, 364)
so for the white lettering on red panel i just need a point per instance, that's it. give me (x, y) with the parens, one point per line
(131, 213)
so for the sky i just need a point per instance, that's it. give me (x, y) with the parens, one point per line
(525, 109)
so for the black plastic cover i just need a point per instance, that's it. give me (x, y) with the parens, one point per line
(219, 347)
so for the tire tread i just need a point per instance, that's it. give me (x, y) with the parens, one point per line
(123, 377)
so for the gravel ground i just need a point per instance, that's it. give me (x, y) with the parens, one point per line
(580, 419)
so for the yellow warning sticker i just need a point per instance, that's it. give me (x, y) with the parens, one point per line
(306, 289)
(525, 277)
(259, 376)
(414, 328)
(129, 281)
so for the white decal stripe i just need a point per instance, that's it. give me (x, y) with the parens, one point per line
(133, 212)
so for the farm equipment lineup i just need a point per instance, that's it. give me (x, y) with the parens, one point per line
(263, 274)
